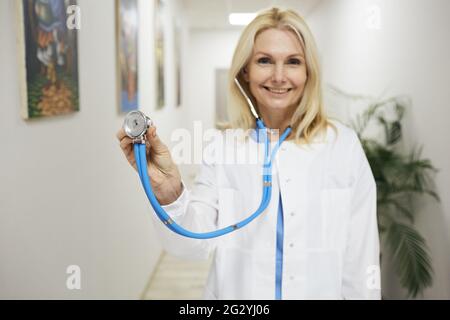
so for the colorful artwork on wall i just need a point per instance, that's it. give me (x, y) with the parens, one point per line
(127, 46)
(48, 55)
(159, 54)
(177, 55)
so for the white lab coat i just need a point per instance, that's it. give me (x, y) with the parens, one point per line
(331, 244)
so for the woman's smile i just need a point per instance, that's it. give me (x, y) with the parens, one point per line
(277, 92)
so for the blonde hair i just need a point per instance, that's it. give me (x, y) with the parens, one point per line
(309, 118)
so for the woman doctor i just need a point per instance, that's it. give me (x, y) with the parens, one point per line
(318, 238)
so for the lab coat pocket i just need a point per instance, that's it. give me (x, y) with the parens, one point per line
(335, 216)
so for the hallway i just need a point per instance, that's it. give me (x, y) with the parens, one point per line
(75, 222)
(177, 279)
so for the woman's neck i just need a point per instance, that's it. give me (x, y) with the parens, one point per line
(277, 123)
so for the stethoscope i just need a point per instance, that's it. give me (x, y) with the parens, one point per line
(136, 125)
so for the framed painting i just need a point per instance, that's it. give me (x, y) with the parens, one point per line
(48, 54)
(127, 47)
(159, 53)
(177, 55)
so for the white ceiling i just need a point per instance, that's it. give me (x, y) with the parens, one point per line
(213, 14)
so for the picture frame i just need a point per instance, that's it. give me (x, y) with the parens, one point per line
(178, 60)
(127, 18)
(159, 54)
(48, 59)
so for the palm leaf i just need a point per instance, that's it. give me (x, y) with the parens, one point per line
(401, 210)
(392, 130)
(411, 259)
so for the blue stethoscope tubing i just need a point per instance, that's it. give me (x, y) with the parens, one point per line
(141, 163)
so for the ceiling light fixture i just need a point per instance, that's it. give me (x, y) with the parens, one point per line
(241, 19)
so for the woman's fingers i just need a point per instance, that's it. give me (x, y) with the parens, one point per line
(156, 144)
(121, 134)
(153, 142)
(125, 142)
(129, 152)
(151, 132)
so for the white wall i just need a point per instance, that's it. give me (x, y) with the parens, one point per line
(206, 51)
(67, 194)
(407, 55)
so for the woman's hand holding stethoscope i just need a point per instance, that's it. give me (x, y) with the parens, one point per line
(164, 175)
(151, 159)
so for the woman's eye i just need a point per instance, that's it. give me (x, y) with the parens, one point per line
(266, 60)
(294, 61)
(263, 60)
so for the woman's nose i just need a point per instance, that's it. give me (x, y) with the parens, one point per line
(279, 73)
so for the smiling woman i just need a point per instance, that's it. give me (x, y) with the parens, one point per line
(276, 63)
(276, 75)
(314, 232)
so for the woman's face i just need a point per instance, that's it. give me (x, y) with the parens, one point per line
(276, 72)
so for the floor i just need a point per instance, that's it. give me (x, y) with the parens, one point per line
(177, 279)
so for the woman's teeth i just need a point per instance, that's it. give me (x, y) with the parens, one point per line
(278, 91)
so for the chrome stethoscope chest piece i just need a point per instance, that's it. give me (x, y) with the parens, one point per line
(136, 125)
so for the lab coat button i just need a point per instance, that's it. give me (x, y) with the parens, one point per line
(288, 180)
(292, 213)
(291, 277)
(291, 245)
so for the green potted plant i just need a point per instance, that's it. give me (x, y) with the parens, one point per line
(402, 176)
